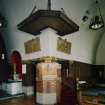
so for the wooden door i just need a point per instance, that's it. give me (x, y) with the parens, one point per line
(68, 91)
(16, 60)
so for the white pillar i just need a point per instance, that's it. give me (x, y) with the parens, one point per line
(48, 81)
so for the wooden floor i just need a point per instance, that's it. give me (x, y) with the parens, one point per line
(19, 101)
(25, 100)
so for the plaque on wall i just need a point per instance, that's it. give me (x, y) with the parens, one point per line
(63, 46)
(32, 45)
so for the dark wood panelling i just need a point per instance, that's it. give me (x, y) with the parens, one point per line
(98, 73)
(70, 71)
(29, 77)
(83, 70)
(68, 87)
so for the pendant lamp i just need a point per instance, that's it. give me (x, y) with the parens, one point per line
(96, 20)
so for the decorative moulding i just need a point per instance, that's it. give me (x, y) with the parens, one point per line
(63, 45)
(32, 45)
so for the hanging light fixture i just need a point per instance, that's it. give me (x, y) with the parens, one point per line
(97, 20)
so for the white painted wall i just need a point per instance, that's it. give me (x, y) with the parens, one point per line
(84, 42)
(100, 56)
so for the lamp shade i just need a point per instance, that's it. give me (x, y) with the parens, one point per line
(96, 20)
(96, 23)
